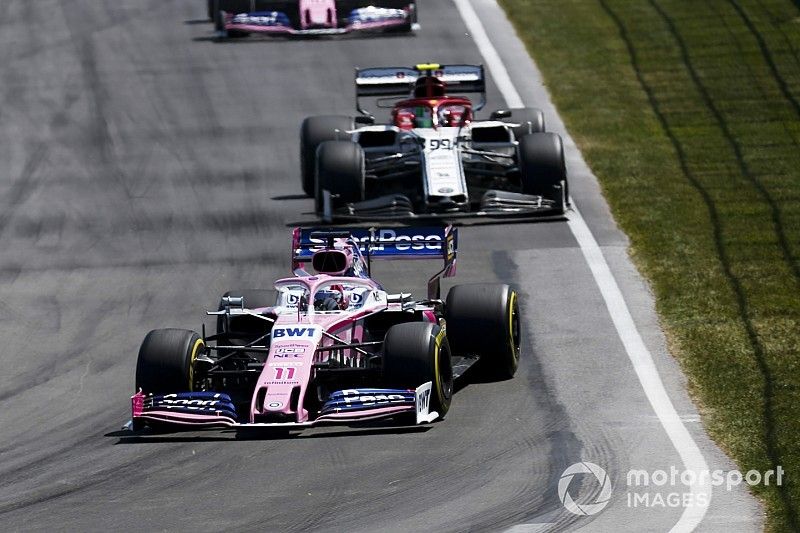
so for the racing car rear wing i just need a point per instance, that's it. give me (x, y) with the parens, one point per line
(399, 81)
(384, 243)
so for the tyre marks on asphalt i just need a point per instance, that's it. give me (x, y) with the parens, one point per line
(560, 427)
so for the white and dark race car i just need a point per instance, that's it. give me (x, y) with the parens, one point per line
(240, 18)
(332, 346)
(434, 158)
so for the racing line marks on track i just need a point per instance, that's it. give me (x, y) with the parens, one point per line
(639, 355)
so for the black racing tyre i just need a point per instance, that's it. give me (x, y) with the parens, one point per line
(340, 170)
(238, 6)
(227, 6)
(166, 361)
(415, 353)
(408, 27)
(244, 329)
(483, 319)
(543, 169)
(218, 16)
(530, 120)
(313, 132)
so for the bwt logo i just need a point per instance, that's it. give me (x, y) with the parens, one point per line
(424, 400)
(584, 509)
(292, 332)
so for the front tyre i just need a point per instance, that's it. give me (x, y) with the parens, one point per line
(483, 319)
(218, 16)
(313, 132)
(340, 170)
(414, 16)
(166, 361)
(530, 120)
(418, 352)
(410, 25)
(543, 168)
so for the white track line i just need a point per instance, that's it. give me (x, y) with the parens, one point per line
(637, 351)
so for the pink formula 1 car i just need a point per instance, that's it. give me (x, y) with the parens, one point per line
(331, 346)
(239, 18)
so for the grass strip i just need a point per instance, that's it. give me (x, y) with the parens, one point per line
(689, 114)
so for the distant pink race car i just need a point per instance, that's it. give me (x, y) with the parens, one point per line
(331, 346)
(238, 18)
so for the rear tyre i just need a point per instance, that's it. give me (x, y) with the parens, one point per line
(418, 352)
(340, 170)
(543, 169)
(483, 319)
(313, 132)
(530, 120)
(166, 361)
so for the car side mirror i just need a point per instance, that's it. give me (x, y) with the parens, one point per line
(365, 119)
(500, 113)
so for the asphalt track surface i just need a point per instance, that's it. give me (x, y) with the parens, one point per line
(145, 170)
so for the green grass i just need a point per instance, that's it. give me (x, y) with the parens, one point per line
(689, 114)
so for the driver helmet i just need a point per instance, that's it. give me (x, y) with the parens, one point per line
(330, 300)
(452, 115)
(428, 87)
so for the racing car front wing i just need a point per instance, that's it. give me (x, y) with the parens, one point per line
(212, 409)
(359, 20)
(494, 203)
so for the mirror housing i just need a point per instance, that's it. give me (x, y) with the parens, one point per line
(500, 113)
